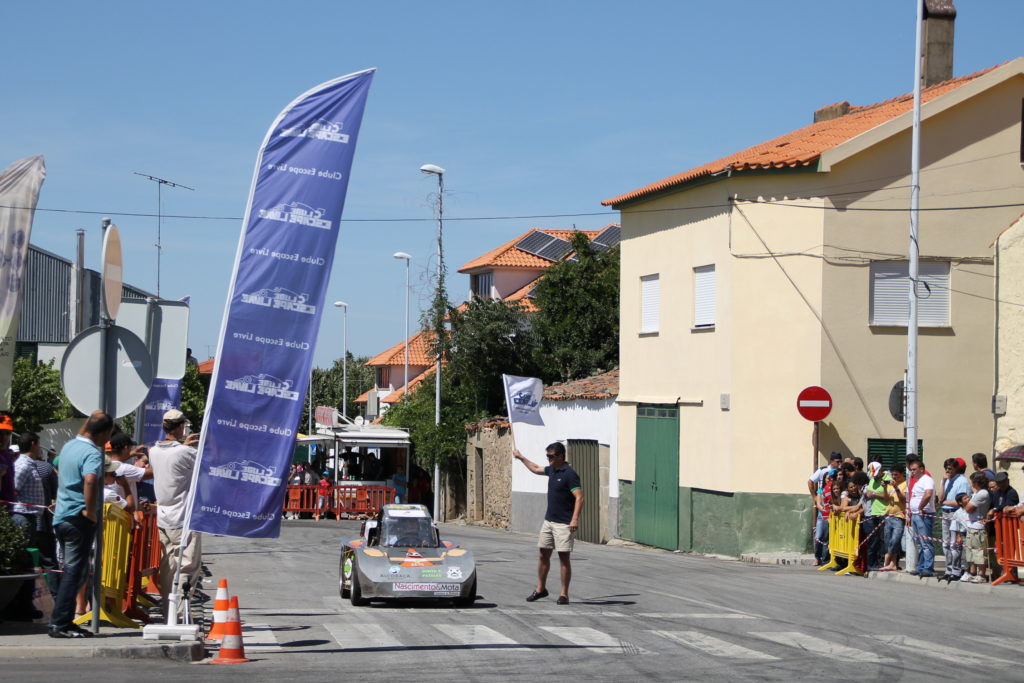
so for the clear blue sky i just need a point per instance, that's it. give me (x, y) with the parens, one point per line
(534, 109)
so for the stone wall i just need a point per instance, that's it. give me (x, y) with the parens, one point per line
(489, 476)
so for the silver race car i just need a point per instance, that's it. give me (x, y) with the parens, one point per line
(401, 555)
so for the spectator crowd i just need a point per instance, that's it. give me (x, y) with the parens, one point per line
(53, 500)
(905, 511)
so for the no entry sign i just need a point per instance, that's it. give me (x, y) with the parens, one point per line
(814, 404)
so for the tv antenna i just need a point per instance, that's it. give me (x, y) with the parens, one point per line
(160, 182)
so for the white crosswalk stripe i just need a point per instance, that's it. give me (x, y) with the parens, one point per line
(596, 641)
(361, 636)
(819, 647)
(943, 652)
(259, 638)
(713, 646)
(478, 635)
(692, 615)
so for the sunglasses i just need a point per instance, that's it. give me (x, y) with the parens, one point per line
(552, 455)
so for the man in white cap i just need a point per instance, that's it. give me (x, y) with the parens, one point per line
(173, 460)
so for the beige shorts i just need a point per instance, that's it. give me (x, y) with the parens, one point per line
(977, 539)
(556, 536)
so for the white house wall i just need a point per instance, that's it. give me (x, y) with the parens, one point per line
(580, 419)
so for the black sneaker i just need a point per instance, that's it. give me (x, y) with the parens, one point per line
(537, 595)
(69, 632)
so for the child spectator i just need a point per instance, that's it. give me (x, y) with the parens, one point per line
(976, 508)
(958, 529)
(323, 495)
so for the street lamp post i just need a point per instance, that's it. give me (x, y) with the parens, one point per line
(344, 357)
(402, 256)
(431, 169)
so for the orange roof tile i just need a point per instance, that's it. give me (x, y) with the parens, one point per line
(595, 387)
(804, 146)
(419, 351)
(520, 295)
(396, 395)
(507, 256)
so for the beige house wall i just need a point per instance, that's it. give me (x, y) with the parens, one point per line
(769, 343)
(1010, 327)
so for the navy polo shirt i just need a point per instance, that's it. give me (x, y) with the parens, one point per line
(561, 501)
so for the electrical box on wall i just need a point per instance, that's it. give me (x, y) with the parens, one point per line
(724, 401)
(999, 404)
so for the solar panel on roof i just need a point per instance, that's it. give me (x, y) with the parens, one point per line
(610, 236)
(534, 242)
(555, 250)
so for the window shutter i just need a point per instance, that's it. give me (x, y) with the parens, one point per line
(704, 296)
(650, 303)
(890, 289)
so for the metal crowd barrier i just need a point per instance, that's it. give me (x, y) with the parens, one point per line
(1009, 546)
(353, 501)
(843, 542)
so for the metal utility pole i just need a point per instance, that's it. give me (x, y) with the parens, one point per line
(910, 417)
(160, 182)
(431, 169)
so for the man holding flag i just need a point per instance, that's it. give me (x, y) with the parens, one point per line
(562, 519)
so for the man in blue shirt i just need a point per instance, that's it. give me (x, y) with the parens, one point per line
(562, 519)
(74, 521)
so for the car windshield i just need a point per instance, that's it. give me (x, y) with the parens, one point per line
(412, 532)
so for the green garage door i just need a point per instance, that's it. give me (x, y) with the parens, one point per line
(584, 456)
(657, 475)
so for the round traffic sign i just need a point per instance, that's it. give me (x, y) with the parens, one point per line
(129, 371)
(814, 404)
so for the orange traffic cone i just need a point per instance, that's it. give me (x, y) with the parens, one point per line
(231, 649)
(220, 611)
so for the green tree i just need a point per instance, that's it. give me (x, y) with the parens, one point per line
(577, 324)
(444, 444)
(37, 396)
(193, 396)
(489, 337)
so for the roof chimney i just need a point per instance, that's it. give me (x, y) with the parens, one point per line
(832, 111)
(937, 43)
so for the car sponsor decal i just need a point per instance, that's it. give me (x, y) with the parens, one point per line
(427, 587)
(454, 573)
(431, 573)
(447, 594)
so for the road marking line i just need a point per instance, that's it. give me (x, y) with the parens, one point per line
(353, 636)
(818, 646)
(595, 640)
(556, 612)
(712, 605)
(686, 615)
(943, 651)
(259, 638)
(477, 635)
(712, 646)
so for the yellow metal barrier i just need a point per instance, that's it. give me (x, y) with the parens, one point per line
(843, 542)
(117, 540)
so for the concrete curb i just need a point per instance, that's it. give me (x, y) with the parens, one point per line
(179, 652)
(1009, 589)
(793, 559)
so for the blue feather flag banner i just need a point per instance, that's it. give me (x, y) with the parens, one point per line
(273, 311)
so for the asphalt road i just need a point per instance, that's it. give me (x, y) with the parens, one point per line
(635, 613)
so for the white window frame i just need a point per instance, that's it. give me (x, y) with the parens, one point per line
(704, 296)
(650, 304)
(483, 281)
(889, 304)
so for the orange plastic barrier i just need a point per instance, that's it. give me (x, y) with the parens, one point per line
(143, 563)
(1009, 546)
(353, 501)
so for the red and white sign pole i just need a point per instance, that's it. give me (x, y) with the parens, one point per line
(814, 403)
